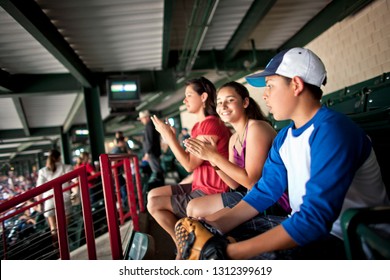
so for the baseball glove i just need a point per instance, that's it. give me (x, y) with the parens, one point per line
(199, 241)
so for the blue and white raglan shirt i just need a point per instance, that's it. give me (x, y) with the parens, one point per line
(328, 165)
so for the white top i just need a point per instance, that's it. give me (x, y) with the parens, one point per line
(46, 175)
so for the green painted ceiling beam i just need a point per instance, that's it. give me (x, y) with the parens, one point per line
(19, 157)
(216, 60)
(22, 115)
(28, 140)
(34, 20)
(334, 12)
(168, 8)
(255, 14)
(41, 84)
(151, 81)
(19, 133)
(23, 149)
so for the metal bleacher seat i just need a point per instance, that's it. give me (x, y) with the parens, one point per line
(363, 239)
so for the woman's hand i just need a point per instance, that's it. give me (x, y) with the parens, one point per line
(167, 132)
(203, 148)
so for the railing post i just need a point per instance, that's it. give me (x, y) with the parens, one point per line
(131, 194)
(118, 194)
(112, 218)
(87, 215)
(139, 185)
(62, 231)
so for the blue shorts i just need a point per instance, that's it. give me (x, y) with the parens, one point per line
(230, 199)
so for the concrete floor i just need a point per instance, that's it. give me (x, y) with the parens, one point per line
(164, 248)
(103, 248)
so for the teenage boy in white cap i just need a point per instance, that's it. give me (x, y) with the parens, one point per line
(324, 161)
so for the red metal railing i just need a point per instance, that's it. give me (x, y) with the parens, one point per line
(56, 185)
(106, 162)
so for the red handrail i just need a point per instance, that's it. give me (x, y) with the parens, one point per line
(56, 185)
(109, 197)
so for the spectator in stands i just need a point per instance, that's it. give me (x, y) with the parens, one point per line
(253, 136)
(30, 220)
(120, 148)
(324, 159)
(54, 168)
(152, 150)
(119, 135)
(183, 136)
(86, 161)
(168, 203)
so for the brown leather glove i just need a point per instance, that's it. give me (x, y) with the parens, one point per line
(199, 241)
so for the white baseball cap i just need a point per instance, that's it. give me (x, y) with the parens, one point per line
(143, 114)
(290, 63)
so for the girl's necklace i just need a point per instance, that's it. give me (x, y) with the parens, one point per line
(243, 134)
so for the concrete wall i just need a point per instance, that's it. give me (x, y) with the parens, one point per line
(356, 49)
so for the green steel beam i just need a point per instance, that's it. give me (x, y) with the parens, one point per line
(216, 60)
(168, 8)
(25, 147)
(200, 19)
(22, 115)
(41, 84)
(28, 14)
(18, 157)
(334, 12)
(40, 131)
(25, 140)
(66, 151)
(94, 122)
(254, 15)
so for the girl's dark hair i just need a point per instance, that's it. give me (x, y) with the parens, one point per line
(253, 110)
(53, 157)
(201, 85)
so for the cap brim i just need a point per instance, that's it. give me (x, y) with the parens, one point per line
(258, 79)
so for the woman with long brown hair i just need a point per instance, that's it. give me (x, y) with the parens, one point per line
(54, 168)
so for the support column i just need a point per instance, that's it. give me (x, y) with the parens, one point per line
(94, 122)
(39, 161)
(65, 144)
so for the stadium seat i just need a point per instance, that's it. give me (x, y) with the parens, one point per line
(366, 233)
(140, 247)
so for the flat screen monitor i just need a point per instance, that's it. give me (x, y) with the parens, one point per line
(123, 92)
